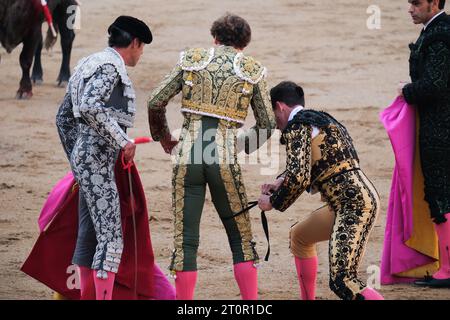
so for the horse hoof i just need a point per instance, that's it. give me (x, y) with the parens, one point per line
(62, 84)
(38, 82)
(24, 95)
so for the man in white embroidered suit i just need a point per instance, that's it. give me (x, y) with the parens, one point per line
(92, 121)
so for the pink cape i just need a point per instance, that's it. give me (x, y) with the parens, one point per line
(50, 260)
(400, 122)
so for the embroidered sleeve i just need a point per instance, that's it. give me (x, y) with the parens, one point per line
(265, 119)
(435, 78)
(158, 100)
(298, 168)
(282, 175)
(67, 125)
(92, 108)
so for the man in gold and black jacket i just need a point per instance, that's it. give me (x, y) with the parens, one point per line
(321, 158)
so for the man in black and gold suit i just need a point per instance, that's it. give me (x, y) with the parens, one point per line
(218, 87)
(429, 92)
(321, 158)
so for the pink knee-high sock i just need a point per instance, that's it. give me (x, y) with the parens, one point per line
(104, 287)
(307, 276)
(443, 232)
(371, 294)
(246, 276)
(87, 287)
(185, 284)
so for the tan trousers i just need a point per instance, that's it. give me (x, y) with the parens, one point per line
(316, 228)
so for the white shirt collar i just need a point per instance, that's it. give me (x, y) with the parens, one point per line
(295, 111)
(114, 51)
(428, 23)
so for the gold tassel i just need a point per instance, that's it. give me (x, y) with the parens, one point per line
(246, 88)
(189, 79)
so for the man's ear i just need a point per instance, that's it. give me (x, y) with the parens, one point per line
(135, 43)
(277, 106)
(281, 106)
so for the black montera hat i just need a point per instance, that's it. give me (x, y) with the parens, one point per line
(133, 26)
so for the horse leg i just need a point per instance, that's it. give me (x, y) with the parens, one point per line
(30, 43)
(67, 37)
(37, 74)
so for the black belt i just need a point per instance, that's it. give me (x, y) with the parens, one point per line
(264, 222)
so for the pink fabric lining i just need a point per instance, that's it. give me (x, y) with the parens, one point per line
(400, 122)
(54, 200)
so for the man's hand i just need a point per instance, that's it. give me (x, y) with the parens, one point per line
(270, 188)
(168, 143)
(128, 152)
(264, 203)
(400, 87)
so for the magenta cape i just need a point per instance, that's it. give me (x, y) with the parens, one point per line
(50, 260)
(399, 119)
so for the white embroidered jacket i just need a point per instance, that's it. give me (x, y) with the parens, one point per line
(101, 95)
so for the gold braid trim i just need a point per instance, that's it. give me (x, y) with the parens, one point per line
(189, 134)
(211, 110)
(234, 185)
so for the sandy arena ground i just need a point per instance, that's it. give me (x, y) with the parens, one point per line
(345, 69)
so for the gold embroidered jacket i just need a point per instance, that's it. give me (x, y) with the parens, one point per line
(311, 162)
(218, 82)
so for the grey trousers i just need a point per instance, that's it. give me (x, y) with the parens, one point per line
(86, 239)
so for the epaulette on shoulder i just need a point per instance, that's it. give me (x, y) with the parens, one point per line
(196, 59)
(249, 69)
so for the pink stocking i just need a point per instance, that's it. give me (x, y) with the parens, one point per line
(443, 232)
(307, 275)
(86, 283)
(246, 276)
(185, 284)
(371, 294)
(104, 287)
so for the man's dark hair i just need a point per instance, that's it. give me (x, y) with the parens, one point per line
(289, 93)
(232, 30)
(119, 38)
(441, 3)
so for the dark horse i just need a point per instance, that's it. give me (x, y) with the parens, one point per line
(21, 22)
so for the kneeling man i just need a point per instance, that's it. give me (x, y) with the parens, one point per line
(321, 158)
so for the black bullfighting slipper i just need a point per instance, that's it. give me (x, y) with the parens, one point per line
(439, 283)
(424, 281)
(431, 282)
